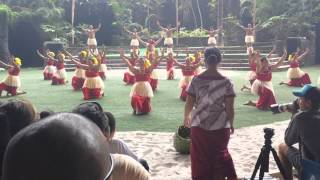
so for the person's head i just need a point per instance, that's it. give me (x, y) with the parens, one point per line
(16, 61)
(211, 28)
(14, 116)
(212, 57)
(51, 54)
(169, 26)
(264, 62)
(309, 97)
(249, 25)
(112, 123)
(94, 112)
(170, 55)
(92, 61)
(83, 55)
(188, 60)
(63, 146)
(61, 57)
(135, 30)
(150, 46)
(90, 27)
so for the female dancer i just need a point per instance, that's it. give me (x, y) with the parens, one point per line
(262, 86)
(12, 82)
(254, 56)
(188, 70)
(103, 65)
(170, 66)
(50, 68)
(134, 41)
(129, 77)
(141, 91)
(297, 77)
(150, 54)
(93, 85)
(196, 59)
(59, 77)
(79, 74)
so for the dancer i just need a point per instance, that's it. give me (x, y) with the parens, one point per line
(79, 75)
(128, 76)
(297, 77)
(91, 32)
(188, 70)
(103, 65)
(249, 38)
(212, 42)
(141, 91)
(254, 56)
(168, 41)
(170, 66)
(50, 68)
(196, 58)
(262, 86)
(134, 39)
(12, 82)
(60, 75)
(150, 54)
(93, 87)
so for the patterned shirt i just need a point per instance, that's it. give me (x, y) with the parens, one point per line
(209, 111)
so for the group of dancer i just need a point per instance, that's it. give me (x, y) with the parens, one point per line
(260, 76)
(142, 74)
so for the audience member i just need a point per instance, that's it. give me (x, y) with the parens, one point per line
(210, 102)
(303, 129)
(63, 146)
(14, 116)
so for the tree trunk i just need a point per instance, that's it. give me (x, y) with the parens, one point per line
(200, 14)
(4, 36)
(194, 16)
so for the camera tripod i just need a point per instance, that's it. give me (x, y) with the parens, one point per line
(263, 160)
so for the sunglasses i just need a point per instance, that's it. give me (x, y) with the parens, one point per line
(111, 168)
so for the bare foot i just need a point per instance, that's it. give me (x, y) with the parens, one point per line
(250, 103)
(281, 83)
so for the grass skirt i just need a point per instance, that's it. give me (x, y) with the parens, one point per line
(184, 81)
(141, 88)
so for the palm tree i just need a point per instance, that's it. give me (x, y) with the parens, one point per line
(5, 14)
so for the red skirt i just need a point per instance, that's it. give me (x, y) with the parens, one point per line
(184, 94)
(299, 82)
(210, 157)
(77, 82)
(10, 89)
(266, 98)
(141, 104)
(170, 75)
(91, 93)
(57, 81)
(154, 83)
(47, 76)
(128, 78)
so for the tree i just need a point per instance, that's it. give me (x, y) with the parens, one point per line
(5, 17)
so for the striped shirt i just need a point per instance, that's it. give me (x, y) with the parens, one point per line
(209, 111)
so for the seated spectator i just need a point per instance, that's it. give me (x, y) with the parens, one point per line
(117, 146)
(14, 115)
(63, 146)
(94, 112)
(303, 129)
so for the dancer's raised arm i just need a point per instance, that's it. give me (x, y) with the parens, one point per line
(280, 61)
(75, 60)
(271, 52)
(157, 42)
(5, 65)
(161, 27)
(303, 55)
(142, 42)
(98, 28)
(126, 61)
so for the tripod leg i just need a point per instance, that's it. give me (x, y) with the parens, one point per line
(258, 164)
(276, 158)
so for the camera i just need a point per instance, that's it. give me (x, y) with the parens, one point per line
(268, 133)
(289, 107)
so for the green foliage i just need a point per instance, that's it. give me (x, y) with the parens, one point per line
(191, 33)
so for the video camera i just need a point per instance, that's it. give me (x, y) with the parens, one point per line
(287, 107)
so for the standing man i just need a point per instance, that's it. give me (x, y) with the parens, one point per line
(92, 42)
(303, 129)
(249, 39)
(212, 42)
(168, 41)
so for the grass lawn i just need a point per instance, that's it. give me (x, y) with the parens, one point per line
(167, 112)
